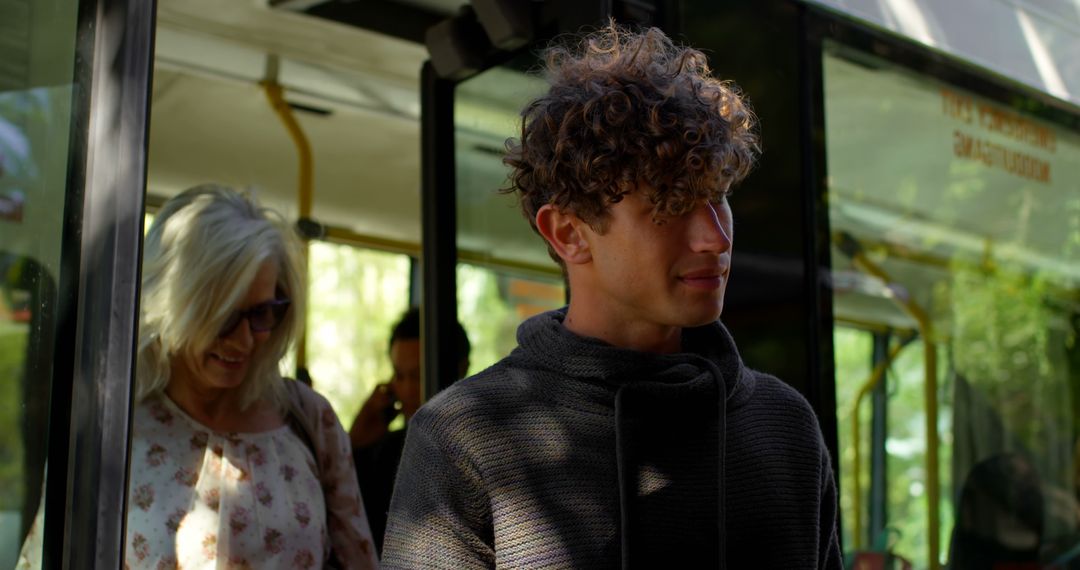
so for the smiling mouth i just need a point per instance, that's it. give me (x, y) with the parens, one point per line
(230, 362)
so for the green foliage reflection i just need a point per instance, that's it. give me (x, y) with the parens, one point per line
(12, 354)
(491, 310)
(355, 296)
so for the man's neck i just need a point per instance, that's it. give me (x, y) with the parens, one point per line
(588, 320)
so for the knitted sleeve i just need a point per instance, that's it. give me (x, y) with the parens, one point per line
(830, 557)
(440, 516)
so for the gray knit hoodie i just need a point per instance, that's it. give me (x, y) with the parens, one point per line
(571, 453)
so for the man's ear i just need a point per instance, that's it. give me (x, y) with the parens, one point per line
(563, 231)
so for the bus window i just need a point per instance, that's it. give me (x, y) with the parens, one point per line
(491, 304)
(955, 223)
(852, 350)
(355, 296)
(36, 119)
(505, 274)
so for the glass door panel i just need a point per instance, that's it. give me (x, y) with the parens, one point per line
(37, 57)
(955, 225)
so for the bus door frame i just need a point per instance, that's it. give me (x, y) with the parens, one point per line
(98, 289)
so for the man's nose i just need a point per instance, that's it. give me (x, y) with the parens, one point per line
(711, 228)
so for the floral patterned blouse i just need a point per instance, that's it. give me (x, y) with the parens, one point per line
(204, 499)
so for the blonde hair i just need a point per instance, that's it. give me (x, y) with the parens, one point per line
(200, 257)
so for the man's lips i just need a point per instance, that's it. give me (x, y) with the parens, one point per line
(711, 278)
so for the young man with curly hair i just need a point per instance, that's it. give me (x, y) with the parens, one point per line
(624, 431)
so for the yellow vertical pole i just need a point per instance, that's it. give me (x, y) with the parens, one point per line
(933, 487)
(275, 94)
(856, 437)
(930, 402)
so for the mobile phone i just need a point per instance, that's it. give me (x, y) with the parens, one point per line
(391, 410)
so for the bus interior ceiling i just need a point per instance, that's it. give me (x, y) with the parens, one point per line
(354, 92)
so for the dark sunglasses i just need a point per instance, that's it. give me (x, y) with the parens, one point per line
(261, 318)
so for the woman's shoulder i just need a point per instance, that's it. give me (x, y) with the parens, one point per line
(311, 406)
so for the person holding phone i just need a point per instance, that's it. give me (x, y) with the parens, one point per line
(377, 448)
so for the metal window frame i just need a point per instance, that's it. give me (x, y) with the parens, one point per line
(823, 24)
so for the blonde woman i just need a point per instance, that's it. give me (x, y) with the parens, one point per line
(223, 473)
(220, 476)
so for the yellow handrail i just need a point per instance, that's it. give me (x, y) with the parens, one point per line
(275, 94)
(933, 481)
(871, 382)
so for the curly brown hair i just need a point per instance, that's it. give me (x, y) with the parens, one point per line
(629, 109)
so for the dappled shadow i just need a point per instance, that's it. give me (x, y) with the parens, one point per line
(520, 467)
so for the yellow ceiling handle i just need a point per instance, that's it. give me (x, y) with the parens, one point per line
(275, 94)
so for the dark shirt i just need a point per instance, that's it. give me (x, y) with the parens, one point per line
(376, 468)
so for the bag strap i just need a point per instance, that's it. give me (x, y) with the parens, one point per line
(301, 421)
